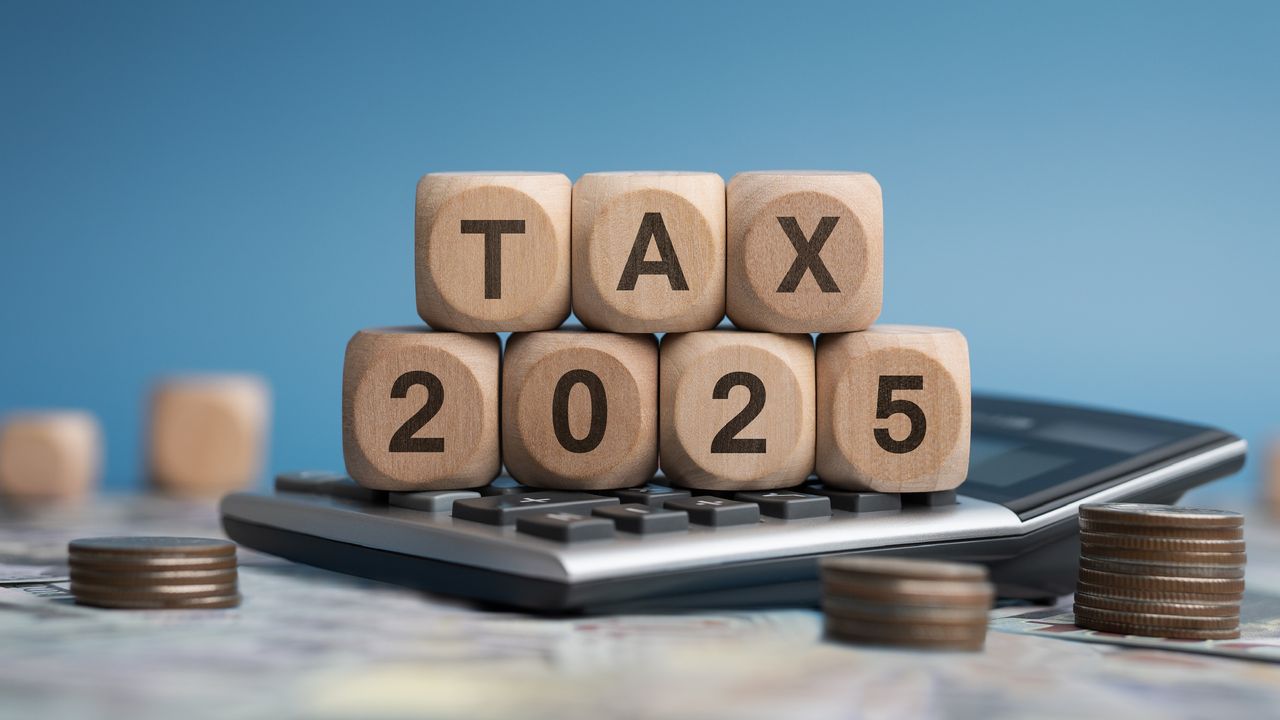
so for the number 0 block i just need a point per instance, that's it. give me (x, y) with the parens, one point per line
(736, 409)
(580, 409)
(893, 409)
(492, 251)
(420, 409)
(805, 251)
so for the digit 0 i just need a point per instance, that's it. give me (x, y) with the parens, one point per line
(560, 411)
(887, 407)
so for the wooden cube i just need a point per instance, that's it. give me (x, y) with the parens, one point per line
(805, 251)
(580, 409)
(648, 251)
(52, 456)
(208, 434)
(492, 251)
(420, 409)
(893, 409)
(1271, 477)
(736, 409)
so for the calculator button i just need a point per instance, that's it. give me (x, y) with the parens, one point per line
(348, 489)
(503, 509)
(788, 504)
(652, 495)
(431, 500)
(305, 481)
(716, 511)
(941, 498)
(858, 502)
(504, 486)
(644, 519)
(564, 526)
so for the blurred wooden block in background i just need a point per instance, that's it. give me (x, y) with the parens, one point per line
(208, 434)
(805, 251)
(49, 456)
(648, 251)
(580, 409)
(1271, 477)
(893, 409)
(736, 409)
(420, 409)
(492, 251)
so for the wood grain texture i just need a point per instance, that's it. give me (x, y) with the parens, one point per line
(648, 251)
(580, 409)
(516, 280)
(391, 380)
(49, 456)
(706, 386)
(1271, 477)
(854, 451)
(834, 221)
(208, 434)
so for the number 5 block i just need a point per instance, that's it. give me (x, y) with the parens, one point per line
(420, 409)
(893, 409)
(736, 409)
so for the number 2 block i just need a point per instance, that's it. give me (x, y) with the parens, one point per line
(420, 409)
(893, 409)
(580, 409)
(736, 409)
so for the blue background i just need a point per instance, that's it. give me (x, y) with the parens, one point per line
(1088, 192)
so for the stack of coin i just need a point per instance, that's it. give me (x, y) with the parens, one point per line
(153, 573)
(1160, 571)
(915, 603)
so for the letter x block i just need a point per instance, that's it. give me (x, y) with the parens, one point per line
(893, 409)
(580, 409)
(736, 409)
(492, 251)
(420, 409)
(648, 251)
(805, 251)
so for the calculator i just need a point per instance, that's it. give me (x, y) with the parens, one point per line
(662, 547)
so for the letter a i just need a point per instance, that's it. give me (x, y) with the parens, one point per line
(652, 227)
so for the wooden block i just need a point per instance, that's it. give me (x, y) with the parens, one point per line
(805, 251)
(1271, 477)
(736, 409)
(580, 409)
(893, 409)
(208, 433)
(420, 409)
(648, 251)
(52, 456)
(492, 251)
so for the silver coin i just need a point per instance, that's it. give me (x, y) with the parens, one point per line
(849, 566)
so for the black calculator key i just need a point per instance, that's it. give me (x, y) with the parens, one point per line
(348, 489)
(652, 495)
(305, 481)
(644, 519)
(504, 486)
(941, 498)
(858, 502)
(564, 526)
(788, 504)
(503, 509)
(716, 511)
(431, 500)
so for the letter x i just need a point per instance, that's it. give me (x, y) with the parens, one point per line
(807, 254)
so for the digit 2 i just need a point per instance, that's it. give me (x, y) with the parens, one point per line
(726, 441)
(403, 440)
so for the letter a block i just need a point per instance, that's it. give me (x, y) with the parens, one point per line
(805, 251)
(52, 456)
(580, 409)
(420, 409)
(893, 409)
(736, 409)
(648, 251)
(492, 251)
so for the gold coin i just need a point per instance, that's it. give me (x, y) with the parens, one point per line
(1191, 622)
(1159, 607)
(1159, 515)
(1157, 595)
(859, 566)
(1090, 539)
(1202, 533)
(147, 546)
(1160, 632)
(1129, 567)
(200, 603)
(1162, 582)
(951, 593)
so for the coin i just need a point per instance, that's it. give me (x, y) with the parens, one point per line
(1157, 595)
(1159, 607)
(150, 547)
(1201, 622)
(913, 592)
(1163, 582)
(871, 611)
(1176, 558)
(144, 564)
(1128, 567)
(159, 592)
(1160, 632)
(1203, 533)
(1159, 515)
(918, 632)
(200, 603)
(851, 566)
(1090, 539)
(116, 577)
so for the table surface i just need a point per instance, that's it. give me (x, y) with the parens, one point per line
(310, 643)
